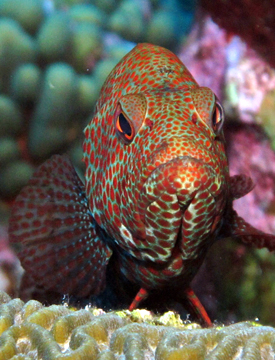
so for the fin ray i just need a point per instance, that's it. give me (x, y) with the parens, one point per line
(55, 233)
(242, 230)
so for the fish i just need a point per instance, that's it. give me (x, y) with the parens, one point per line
(157, 191)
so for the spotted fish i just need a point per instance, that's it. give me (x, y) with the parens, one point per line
(157, 190)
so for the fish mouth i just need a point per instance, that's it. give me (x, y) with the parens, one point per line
(171, 202)
(177, 166)
(175, 179)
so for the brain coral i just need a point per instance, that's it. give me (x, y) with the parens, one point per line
(33, 331)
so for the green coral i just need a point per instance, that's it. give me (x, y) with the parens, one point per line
(28, 13)
(31, 331)
(40, 40)
(9, 150)
(25, 83)
(53, 39)
(128, 20)
(10, 117)
(14, 176)
(57, 101)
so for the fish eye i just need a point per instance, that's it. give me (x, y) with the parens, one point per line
(218, 117)
(124, 128)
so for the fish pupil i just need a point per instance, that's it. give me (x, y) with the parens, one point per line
(215, 117)
(124, 125)
(218, 117)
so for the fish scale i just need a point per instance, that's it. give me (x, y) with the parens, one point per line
(157, 190)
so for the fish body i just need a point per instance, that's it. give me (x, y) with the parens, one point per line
(172, 174)
(157, 190)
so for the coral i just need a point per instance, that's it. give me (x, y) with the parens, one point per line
(28, 58)
(55, 58)
(245, 84)
(168, 23)
(266, 115)
(31, 331)
(253, 20)
(11, 119)
(204, 54)
(128, 20)
(57, 94)
(25, 84)
(29, 13)
(250, 153)
(238, 76)
(14, 176)
(248, 80)
(236, 281)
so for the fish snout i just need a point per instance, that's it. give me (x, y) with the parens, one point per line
(177, 206)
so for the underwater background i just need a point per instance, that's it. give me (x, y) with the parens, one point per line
(54, 58)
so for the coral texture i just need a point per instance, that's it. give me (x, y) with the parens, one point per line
(32, 331)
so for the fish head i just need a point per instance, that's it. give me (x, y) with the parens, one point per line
(156, 168)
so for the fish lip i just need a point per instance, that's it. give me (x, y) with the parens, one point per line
(185, 160)
(167, 184)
